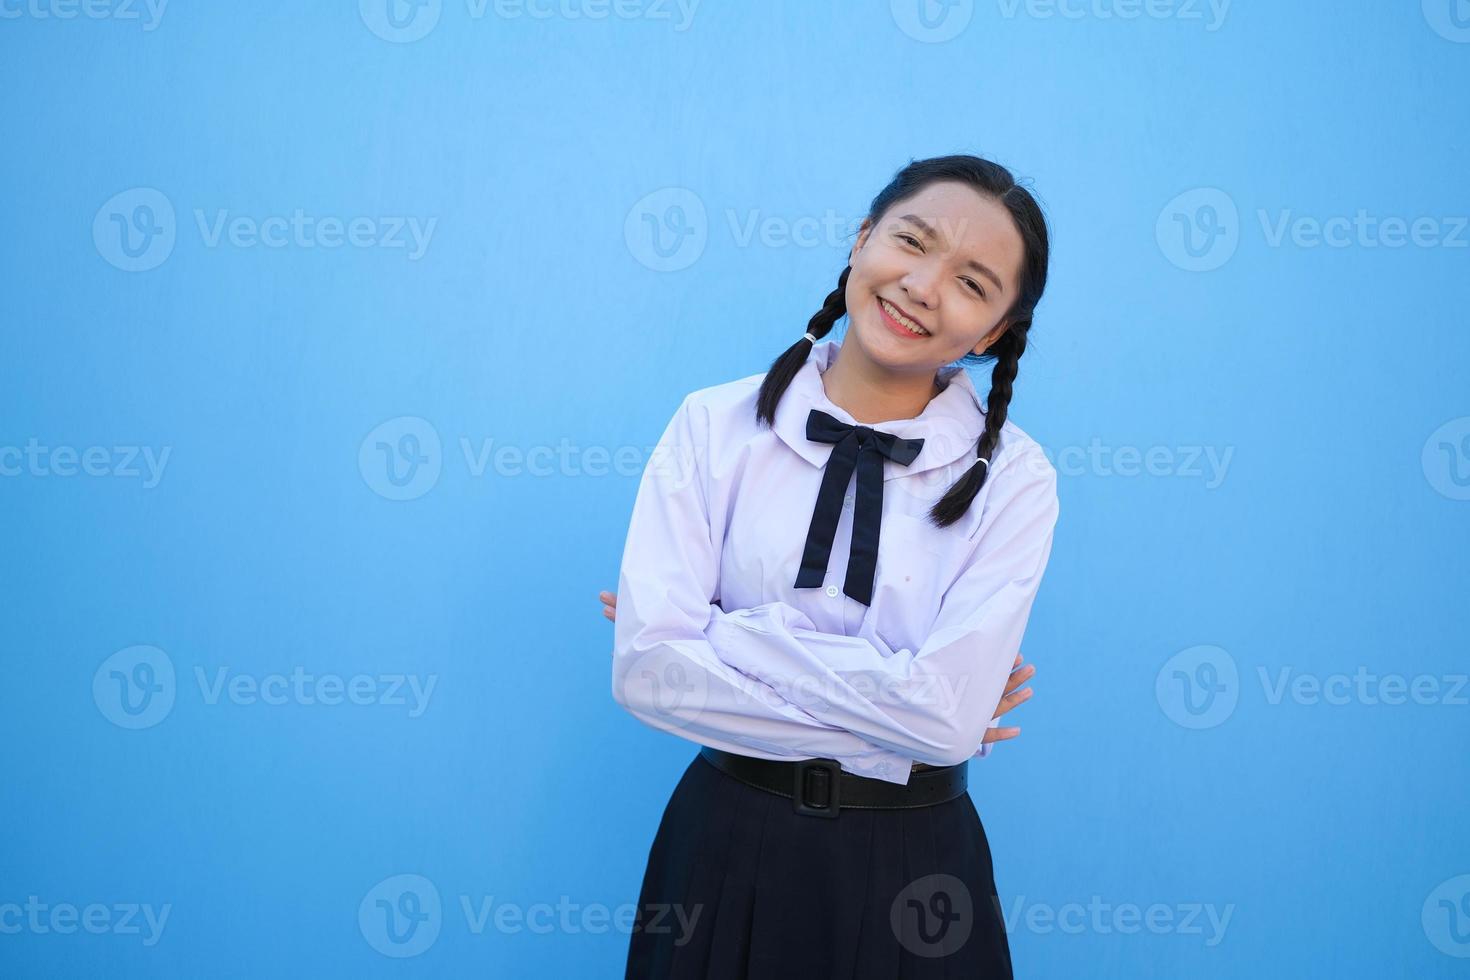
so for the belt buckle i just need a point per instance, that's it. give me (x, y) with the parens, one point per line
(817, 767)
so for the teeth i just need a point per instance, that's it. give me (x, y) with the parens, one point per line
(893, 312)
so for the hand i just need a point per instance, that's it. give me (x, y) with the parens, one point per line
(1009, 699)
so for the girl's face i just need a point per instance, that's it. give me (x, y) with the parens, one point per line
(947, 261)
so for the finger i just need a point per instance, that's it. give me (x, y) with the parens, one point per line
(608, 612)
(1020, 677)
(1000, 734)
(1010, 701)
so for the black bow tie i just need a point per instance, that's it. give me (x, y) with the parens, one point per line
(861, 448)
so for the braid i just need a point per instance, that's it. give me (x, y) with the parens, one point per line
(784, 368)
(1007, 350)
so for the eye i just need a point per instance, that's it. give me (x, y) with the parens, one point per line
(976, 287)
(908, 238)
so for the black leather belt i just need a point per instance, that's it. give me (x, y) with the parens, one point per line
(819, 787)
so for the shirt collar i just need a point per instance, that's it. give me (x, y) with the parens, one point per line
(950, 424)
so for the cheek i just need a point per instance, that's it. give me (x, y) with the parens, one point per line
(874, 269)
(859, 290)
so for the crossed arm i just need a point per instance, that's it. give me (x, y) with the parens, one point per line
(1013, 696)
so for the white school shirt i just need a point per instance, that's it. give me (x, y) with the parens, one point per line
(712, 642)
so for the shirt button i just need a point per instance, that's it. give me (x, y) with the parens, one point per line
(847, 501)
(832, 590)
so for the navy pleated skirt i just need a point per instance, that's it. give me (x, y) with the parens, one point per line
(741, 887)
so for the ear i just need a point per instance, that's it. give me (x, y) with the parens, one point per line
(864, 230)
(991, 337)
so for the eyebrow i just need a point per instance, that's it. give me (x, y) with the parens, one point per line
(979, 267)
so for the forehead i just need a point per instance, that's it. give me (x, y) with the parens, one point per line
(968, 223)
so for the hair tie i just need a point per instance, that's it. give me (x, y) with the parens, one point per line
(986, 462)
(808, 336)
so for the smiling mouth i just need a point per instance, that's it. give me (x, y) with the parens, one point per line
(902, 319)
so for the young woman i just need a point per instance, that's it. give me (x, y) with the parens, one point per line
(826, 579)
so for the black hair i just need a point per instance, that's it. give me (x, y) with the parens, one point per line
(993, 181)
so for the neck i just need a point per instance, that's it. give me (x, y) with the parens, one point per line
(872, 394)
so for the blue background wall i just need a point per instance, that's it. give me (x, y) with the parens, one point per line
(1262, 433)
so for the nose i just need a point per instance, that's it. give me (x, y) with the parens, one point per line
(921, 283)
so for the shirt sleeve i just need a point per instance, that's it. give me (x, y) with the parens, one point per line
(933, 703)
(665, 671)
